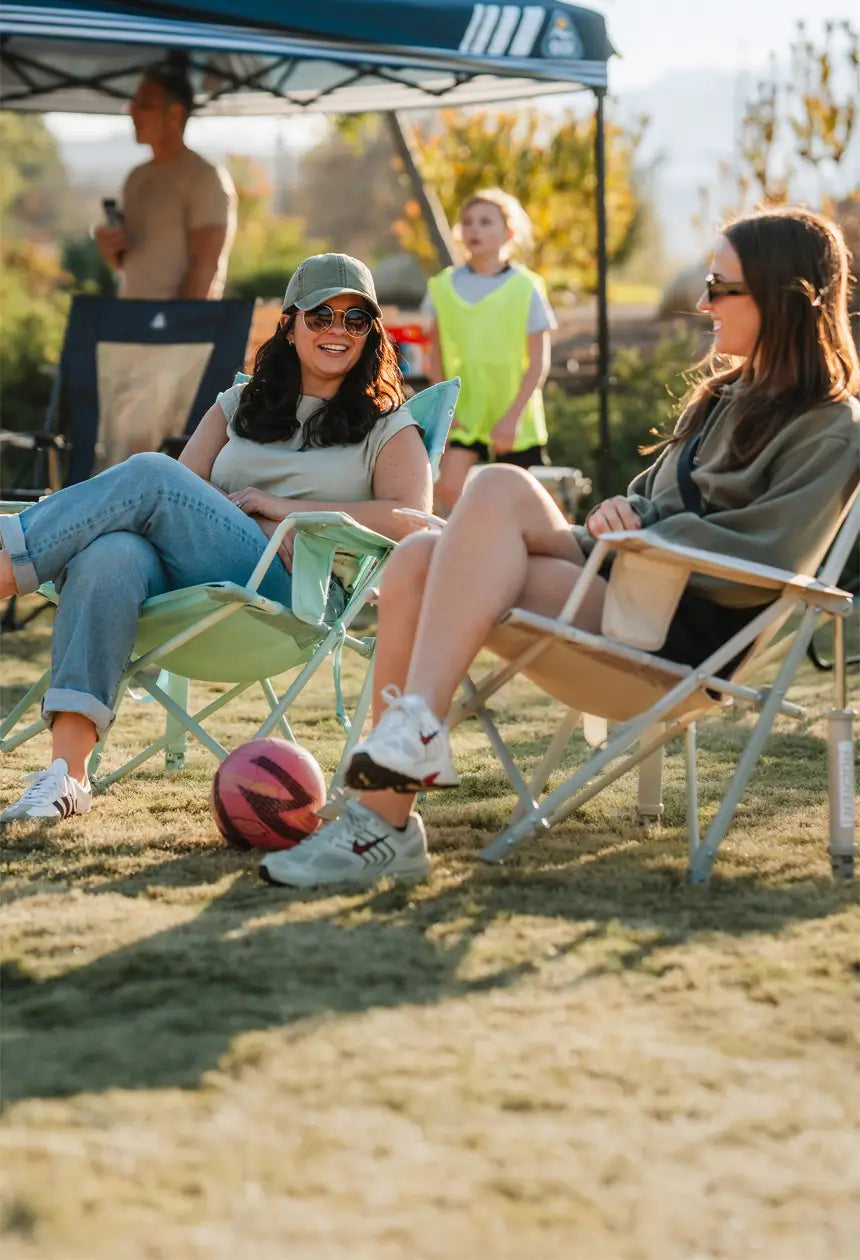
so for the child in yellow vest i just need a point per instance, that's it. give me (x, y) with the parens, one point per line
(492, 324)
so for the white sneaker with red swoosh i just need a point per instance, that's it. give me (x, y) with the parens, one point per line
(408, 751)
(359, 847)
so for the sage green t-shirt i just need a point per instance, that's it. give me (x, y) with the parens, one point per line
(343, 474)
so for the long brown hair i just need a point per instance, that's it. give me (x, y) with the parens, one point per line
(795, 264)
(373, 388)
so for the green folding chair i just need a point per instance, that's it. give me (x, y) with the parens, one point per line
(220, 632)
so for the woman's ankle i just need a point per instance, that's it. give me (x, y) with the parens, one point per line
(74, 738)
(393, 807)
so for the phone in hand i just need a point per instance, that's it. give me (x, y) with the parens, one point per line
(113, 214)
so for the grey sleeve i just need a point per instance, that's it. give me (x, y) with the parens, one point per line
(639, 490)
(541, 317)
(229, 402)
(427, 307)
(385, 430)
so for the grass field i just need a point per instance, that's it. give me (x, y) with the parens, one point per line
(573, 1056)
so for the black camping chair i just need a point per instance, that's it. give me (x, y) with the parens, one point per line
(71, 445)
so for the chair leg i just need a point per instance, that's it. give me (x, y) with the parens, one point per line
(359, 718)
(586, 782)
(840, 791)
(272, 697)
(699, 870)
(98, 752)
(840, 764)
(296, 686)
(649, 800)
(692, 776)
(33, 696)
(526, 801)
(177, 688)
(190, 721)
(549, 761)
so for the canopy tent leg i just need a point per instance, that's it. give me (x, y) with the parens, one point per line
(604, 461)
(406, 148)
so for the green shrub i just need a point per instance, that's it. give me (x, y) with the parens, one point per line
(643, 403)
(34, 311)
(88, 271)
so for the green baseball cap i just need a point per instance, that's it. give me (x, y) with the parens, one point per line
(324, 276)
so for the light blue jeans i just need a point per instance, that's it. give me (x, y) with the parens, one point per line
(138, 529)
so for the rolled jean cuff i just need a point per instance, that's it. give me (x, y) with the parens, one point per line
(64, 700)
(12, 536)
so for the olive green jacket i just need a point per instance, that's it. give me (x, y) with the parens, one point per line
(780, 509)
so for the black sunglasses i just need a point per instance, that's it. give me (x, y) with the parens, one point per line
(716, 288)
(357, 322)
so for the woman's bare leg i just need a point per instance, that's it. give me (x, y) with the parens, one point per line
(453, 471)
(74, 738)
(401, 596)
(506, 544)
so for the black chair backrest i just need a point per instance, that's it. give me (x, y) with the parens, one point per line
(95, 322)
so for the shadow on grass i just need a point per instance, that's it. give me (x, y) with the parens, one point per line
(163, 1011)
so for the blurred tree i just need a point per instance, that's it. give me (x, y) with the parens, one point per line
(350, 191)
(795, 123)
(86, 269)
(826, 88)
(34, 308)
(548, 164)
(268, 246)
(34, 187)
(647, 386)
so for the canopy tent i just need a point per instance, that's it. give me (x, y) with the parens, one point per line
(265, 57)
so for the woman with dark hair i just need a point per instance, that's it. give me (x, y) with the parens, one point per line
(764, 457)
(320, 423)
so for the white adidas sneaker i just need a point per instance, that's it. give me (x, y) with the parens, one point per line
(359, 847)
(52, 793)
(409, 750)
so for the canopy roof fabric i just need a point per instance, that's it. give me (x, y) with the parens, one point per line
(280, 56)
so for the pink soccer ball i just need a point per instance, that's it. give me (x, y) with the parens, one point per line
(265, 795)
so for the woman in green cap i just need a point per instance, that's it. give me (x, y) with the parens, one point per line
(320, 421)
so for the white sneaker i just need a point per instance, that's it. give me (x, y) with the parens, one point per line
(409, 750)
(52, 793)
(359, 847)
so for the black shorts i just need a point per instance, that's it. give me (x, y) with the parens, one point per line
(522, 459)
(699, 627)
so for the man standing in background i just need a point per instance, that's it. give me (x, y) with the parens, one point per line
(178, 210)
(171, 239)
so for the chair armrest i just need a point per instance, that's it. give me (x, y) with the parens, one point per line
(337, 527)
(746, 572)
(341, 527)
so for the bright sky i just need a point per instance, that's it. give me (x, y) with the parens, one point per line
(667, 35)
(653, 38)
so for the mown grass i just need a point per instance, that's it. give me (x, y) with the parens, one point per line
(573, 1056)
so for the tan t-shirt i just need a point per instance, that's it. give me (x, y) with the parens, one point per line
(162, 202)
(343, 474)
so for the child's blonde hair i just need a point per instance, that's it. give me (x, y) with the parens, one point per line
(516, 220)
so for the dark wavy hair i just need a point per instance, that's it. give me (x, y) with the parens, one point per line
(796, 266)
(373, 388)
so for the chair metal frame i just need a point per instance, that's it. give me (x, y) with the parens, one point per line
(303, 637)
(646, 581)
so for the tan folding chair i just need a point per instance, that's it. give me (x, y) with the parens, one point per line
(615, 676)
